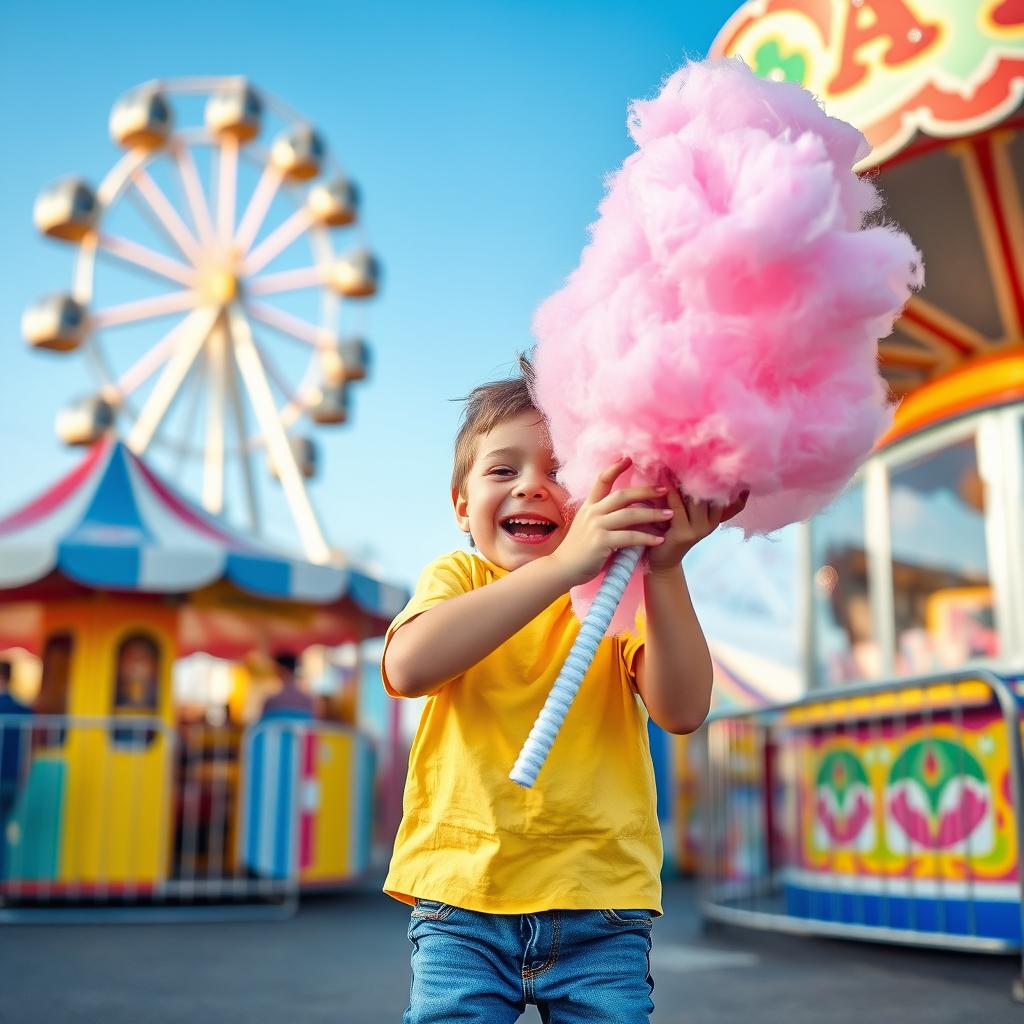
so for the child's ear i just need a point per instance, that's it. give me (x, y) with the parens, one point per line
(461, 507)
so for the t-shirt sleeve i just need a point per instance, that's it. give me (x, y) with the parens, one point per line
(445, 578)
(631, 643)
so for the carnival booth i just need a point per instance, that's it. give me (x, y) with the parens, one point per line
(894, 812)
(110, 578)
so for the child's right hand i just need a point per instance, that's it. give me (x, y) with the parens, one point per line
(608, 521)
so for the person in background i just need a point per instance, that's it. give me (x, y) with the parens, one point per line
(13, 744)
(290, 701)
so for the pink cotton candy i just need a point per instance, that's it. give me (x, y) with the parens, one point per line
(722, 326)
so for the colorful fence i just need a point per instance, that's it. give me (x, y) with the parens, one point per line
(884, 812)
(129, 813)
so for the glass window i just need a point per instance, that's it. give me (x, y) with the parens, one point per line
(941, 589)
(844, 637)
(53, 688)
(136, 688)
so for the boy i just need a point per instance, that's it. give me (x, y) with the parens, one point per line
(544, 895)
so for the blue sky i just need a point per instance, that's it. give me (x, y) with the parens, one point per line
(479, 133)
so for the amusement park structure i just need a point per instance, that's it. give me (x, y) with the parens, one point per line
(118, 783)
(186, 211)
(887, 802)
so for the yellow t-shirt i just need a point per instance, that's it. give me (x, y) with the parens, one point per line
(586, 837)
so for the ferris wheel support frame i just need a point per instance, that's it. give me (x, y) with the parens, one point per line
(278, 448)
(216, 395)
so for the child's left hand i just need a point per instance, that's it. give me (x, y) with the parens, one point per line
(692, 522)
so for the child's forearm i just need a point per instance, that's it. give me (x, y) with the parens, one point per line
(449, 638)
(675, 679)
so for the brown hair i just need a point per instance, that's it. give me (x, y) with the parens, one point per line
(486, 407)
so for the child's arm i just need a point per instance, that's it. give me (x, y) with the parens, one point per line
(673, 670)
(452, 636)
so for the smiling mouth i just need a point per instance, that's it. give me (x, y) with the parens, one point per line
(528, 529)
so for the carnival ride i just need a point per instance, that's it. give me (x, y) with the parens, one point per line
(114, 577)
(896, 813)
(201, 224)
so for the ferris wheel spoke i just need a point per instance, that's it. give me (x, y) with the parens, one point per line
(166, 215)
(287, 281)
(290, 325)
(194, 383)
(227, 172)
(170, 381)
(259, 204)
(144, 309)
(255, 379)
(146, 258)
(245, 455)
(277, 378)
(139, 372)
(194, 193)
(213, 456)
(278, 240)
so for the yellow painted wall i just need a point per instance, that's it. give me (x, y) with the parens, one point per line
(335, 770)
(117, 807)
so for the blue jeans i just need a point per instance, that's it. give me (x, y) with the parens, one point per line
(576, 965)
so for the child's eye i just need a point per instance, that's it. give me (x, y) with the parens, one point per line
(502, 471)
(553, 473)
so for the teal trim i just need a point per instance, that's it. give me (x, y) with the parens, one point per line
(37, 824)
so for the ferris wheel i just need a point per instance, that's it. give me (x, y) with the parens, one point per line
(208, 292)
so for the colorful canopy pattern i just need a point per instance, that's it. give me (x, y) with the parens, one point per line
(113, 524)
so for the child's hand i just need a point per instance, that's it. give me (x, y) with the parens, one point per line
(691, 522)
(606, 522)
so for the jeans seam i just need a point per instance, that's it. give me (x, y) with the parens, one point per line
(443, 912)
(612, 918)
(552, 956)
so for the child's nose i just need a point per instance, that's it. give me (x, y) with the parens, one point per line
(532, 487)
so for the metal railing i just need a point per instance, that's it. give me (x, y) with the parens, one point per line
(885, 812)
(112, 816)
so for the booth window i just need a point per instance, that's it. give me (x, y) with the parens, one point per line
(136, 688)
(845, 643)
(53, 689)
(942, 594)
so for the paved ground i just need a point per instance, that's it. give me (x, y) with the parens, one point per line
(346, 960)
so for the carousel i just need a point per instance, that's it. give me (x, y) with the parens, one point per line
(148, 626)
(895, 813)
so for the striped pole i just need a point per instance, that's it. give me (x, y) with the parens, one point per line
(563, 692)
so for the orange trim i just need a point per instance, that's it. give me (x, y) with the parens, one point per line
(990, 380)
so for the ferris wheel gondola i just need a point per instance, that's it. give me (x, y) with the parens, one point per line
(194, 206)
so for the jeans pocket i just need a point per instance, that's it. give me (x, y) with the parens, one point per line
(628, 918)
(431, 910)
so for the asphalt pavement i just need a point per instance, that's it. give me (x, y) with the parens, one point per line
(345, 959)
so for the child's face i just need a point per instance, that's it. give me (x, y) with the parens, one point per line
(511, 503)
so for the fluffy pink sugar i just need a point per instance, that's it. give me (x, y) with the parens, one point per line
(745, 190)
(722, 325)
(723, 94)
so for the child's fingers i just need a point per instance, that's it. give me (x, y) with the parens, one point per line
(635, 516)
(736, 507)
(630, 538)
(630, 496)
(606, 479)
(687, 504)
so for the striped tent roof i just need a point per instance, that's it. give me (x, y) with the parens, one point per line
(113, 524)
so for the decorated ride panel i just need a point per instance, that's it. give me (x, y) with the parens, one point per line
(891, 67)
(904, 818)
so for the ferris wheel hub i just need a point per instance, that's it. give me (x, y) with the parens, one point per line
(220, 286)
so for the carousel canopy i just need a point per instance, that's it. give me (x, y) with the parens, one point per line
(113, 524)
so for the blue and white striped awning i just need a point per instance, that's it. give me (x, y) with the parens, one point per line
(113, 524)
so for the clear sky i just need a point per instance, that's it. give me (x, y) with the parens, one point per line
(479, 132)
